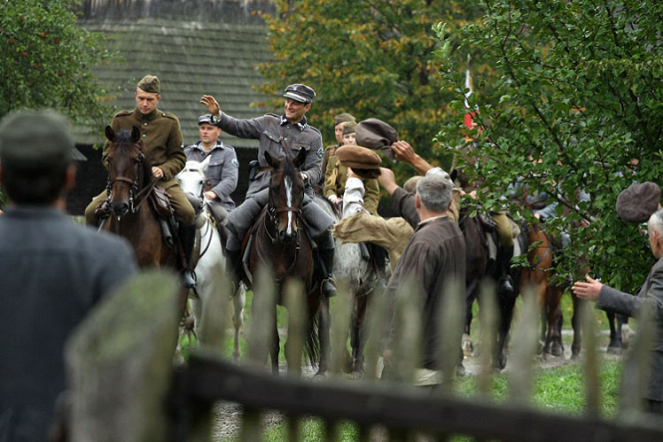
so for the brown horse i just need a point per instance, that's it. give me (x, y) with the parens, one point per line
(540, 275)
(130, 184)
(281, 242)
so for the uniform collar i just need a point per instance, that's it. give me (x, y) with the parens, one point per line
(301, 125)
(218, 145)
(149, 117)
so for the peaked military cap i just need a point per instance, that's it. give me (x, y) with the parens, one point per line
(376, 134)
(343, 118)
(364, 162)
(207, 118)
(35, 141)
(299, 92)
(638, 202)
(151, 84)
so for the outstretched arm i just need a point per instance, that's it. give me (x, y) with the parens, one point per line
(405, 152)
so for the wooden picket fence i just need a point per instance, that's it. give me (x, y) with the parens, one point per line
(125, 387)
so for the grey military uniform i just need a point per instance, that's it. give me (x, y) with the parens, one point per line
(222, 171)
(270, 129)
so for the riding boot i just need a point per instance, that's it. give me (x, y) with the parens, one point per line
(187, 239)
(234, 267)
(504, 255)
(328, 286)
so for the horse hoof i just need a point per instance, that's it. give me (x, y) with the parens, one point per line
(557, 351)
(467, 346)
(356, 375)
(614, 350)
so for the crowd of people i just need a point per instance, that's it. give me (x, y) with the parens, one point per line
(58, 275)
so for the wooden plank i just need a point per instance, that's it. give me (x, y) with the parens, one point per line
(210, 379)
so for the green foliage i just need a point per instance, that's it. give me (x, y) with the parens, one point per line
(45, 60)
(372, 59)
(574, 103)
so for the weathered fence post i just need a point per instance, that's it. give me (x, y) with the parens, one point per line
(120, 363)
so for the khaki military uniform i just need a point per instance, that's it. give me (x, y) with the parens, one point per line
(162, 139)
(328, 153)
(336, 176)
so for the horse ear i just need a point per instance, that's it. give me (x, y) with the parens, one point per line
(135, 134)
(300, 158)
(205, 164)
(270, 160)
(110, 134)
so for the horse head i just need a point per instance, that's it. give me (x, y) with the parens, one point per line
(286, 194)
(128, 169)
(193, 177)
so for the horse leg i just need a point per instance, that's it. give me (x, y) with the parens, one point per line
(577, 331)
(470, 296)
(506, 302)
(623, 330)
(324, 322)
(358, 346)
(274, 351)
(238, 318)
(554, 312)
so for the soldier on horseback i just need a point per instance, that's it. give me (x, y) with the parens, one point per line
(284, 135)
(162, 139)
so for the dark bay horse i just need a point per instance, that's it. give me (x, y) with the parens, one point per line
(281, 242)
(480, 266)
(130, 184)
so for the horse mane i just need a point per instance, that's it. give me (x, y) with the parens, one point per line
(288, 167)
(123, 145)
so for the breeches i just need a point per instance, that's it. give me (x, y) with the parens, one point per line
(184, 212)
(503, 227)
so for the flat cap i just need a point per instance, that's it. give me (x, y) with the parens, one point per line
(350, 128)
(638, 202)
(207, 118)
(35, 141)
(364, 162)
(376, 134)
(151, 84)
(299, 92)
(343, 117)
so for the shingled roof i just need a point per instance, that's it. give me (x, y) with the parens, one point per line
(191, 59)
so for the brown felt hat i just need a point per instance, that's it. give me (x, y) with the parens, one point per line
(638, 202)
(377, 135)
(364, 162)
(343, 117)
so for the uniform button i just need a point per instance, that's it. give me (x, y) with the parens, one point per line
(144, 135)
(145, 123)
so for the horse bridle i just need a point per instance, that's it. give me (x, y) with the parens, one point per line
(274, 211)
(134, 193)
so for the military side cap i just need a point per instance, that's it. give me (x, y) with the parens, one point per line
(151, 84)
(638, 202)
(299, 92)
(364, 162)
(207, 118)
(343, 118)
(35, 141)
(376, 134)
(350, 127)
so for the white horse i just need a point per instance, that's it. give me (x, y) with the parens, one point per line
(211, 262)
(357, 273)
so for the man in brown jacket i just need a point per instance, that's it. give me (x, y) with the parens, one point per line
(162, 139)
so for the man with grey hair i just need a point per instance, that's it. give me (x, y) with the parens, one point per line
(649, 297)
(434, 256)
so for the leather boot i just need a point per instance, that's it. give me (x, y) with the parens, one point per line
(504, 255)
(234, 267)
(187, 238)
(328, 286)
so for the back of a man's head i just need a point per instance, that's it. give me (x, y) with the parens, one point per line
(35, 151)
(434, 192)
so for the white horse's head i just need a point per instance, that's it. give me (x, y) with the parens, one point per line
(192, 177)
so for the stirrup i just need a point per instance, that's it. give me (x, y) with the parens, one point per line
(505, 284)
(189, 278)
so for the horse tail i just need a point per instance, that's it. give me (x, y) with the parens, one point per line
(312, 346)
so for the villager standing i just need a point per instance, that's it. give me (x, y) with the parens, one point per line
(162, 140)
(339, 124)
(53, 270)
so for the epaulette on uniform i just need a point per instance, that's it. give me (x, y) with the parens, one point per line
(168, 115)
(124, 113)
(272, 114)
(315, 129)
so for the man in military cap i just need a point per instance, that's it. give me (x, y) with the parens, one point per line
(222, 169)
(53, 270)
(282, 135)
(162, 139)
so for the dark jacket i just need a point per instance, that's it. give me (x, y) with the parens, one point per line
(434, 255)
(53, 273)
(650, 296)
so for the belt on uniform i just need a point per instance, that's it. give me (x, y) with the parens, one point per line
(266, 168)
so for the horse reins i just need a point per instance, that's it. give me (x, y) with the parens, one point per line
(134, 193)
